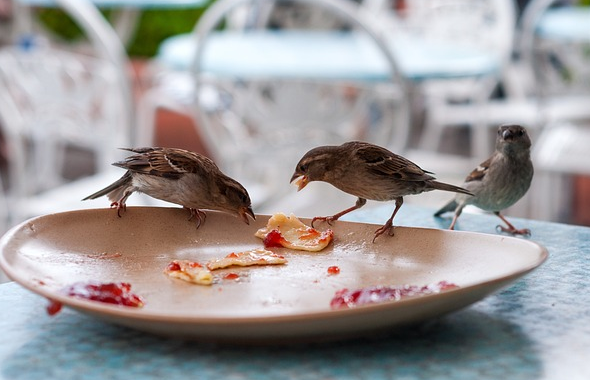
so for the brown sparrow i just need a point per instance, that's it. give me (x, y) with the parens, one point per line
(178, 176)
(501, 180)
(368, 172)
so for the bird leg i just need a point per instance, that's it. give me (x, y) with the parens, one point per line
(511, 229)
(198, 214)
(458, 212)
(388, 226)
(329, 219)
(121, 203)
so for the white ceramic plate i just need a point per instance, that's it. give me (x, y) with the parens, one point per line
(269, 303)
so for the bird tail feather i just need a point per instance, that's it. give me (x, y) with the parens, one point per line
(116, 188)
(450, 206)
(447, 187)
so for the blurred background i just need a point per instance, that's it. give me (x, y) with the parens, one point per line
(255, 83)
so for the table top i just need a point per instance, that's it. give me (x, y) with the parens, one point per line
(325, 55)
(143, 4)
(535, 329)
(566, 24)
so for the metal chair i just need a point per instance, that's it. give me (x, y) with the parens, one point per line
(488, 25)
(259, 110)
(56, 98)
(555, 41)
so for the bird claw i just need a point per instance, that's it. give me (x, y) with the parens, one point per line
(119, 206)
(198, 214)
(387, 227)
(513, 231)
(327, 219)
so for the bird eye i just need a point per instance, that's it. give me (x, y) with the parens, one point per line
(303, 168)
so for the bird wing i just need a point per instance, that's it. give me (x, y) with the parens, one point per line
(479, 172)
(163, 162)
(383, 162)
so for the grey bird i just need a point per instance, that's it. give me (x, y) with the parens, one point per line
(501, 180)
(178, 176)
(366, 171)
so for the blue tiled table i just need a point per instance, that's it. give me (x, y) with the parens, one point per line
(536, 329)
(325, 55)
(571, 24)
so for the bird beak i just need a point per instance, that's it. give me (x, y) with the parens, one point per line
(246, 212)
(506, 134)
(300, 181)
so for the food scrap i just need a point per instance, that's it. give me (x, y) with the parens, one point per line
(332, 270)
(258, 256)
(196, 273)
(290, 232)
(116, 293)
(352, 298)
(190, 271)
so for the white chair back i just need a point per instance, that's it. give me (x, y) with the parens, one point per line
(56, 98)
(259, 124)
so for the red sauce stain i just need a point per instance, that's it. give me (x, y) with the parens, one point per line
(333, 270)
(116, 293)
(351, 298)
(54, 307)
(273, 239)
(310, 233)
(231, 276)
(173, 266)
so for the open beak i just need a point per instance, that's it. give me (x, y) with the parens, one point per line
(246, 212)
(300, 181)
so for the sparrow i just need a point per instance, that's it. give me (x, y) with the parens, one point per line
(178, 176)
(366, 171)
(501, 180)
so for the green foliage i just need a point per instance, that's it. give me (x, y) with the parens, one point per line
(154, 26)
(59, 23)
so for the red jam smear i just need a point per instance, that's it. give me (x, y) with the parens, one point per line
(352, 298)
(333, 270)
(231, 276)
(273, 239)
(54, 307)
(116, 293)
(310, 233)
(313, 234)
(173, 267)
